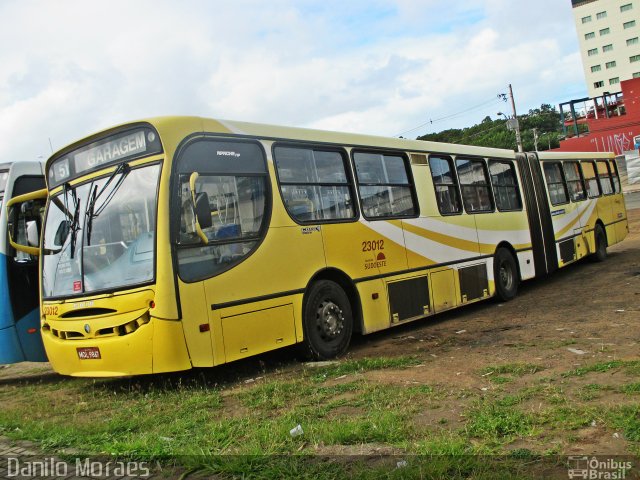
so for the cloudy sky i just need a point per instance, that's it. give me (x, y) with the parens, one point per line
(382, 67)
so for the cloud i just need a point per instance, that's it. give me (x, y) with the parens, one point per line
(379, 67)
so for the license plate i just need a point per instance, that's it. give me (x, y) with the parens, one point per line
(89, 353)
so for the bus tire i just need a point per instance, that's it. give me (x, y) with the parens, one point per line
(600, 254)
(505, 275)
(327, 321)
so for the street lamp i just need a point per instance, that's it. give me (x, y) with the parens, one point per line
(512, 125)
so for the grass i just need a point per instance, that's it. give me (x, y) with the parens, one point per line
(630, 367)
(341, 409)
(631, 388)
(498, 423)
(351, 367)
(627, 419)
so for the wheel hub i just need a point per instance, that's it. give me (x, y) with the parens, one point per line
(330, 319)
(506, 276)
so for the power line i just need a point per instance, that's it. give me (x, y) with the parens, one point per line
(500, 98)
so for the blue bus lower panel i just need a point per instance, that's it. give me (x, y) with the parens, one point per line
(10, 349)
(18, 345)
(6, 315)
(31, 343)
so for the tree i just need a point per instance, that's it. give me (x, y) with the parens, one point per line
(494, 133)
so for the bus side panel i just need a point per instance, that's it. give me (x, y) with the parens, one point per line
(375, 305)
(270, 328)
(10, 350)
(281, 267)
(6, 313)
(28, 329)
(438, 239)
(619, 207)
(509, 227)
(567, 230)
(169, 348)
(620, 217)
(365, 248)
(194, 314)
(444, 289)
(605, 213)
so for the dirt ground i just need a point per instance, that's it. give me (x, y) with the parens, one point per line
(585, 314)
(582, 315)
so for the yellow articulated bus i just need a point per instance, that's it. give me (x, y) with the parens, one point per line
(184, 242)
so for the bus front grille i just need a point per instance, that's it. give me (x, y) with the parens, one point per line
(114, 331)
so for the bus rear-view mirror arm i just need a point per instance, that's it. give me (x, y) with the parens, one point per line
(200, 207)
(26, 208)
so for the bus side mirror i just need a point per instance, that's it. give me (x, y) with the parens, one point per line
(25, 216)
(33, 236)
(62, 233)
(201, 208)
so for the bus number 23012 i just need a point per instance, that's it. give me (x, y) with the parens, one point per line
(373, 245)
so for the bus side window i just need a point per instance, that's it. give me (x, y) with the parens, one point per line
(505, 186)
(574, 181)
(385, 186)
(314, 184)
(590, 179)
(445, 185)
(615, 176)
(605, 177)
(474, 183)
(556, 183)
(236, 206)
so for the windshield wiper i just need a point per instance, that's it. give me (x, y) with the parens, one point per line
(75, 218)
(122, 170)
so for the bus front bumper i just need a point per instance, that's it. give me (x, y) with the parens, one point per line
(155, 347)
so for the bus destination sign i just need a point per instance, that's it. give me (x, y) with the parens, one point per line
(131, 144)
(108, 152)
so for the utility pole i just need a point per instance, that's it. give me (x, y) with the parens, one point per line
(535, 138)
(515, 117)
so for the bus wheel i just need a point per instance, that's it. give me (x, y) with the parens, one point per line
(505, 275)
(327, 321)
(600, 255)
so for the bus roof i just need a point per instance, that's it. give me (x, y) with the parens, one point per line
(575, 155)
(168, 124)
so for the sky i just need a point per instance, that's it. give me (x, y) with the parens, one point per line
(383, 67)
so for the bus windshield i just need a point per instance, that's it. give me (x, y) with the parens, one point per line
(4, 175)
(101, 235)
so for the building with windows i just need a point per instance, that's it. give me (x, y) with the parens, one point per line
(609, 35)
